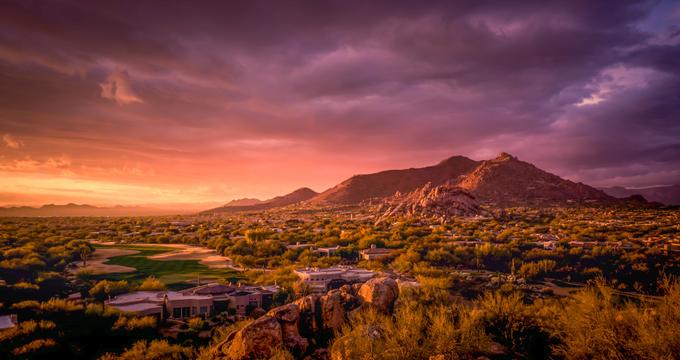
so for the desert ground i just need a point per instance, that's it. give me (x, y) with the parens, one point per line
(96, 263)
(205, 256)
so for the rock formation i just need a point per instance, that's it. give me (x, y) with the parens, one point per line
(306, 325)
(439, 202)
(380, 294)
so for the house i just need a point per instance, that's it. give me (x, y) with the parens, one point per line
(322, 279)
(182, 305)
(297, 245)
(374, 253)
(328, 250)
(142, 303)
(584, 244)
(547, 245)
(241, 298)
(204, 300)
(8, 321)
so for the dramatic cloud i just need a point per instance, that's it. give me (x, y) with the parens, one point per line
(258, 98)
(11, 142)
(117, 87)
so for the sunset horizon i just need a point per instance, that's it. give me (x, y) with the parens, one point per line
(104, 105)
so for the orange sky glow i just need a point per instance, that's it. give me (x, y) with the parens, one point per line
(175, 104)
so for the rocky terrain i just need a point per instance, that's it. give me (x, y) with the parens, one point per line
(294, 197)
(435, 202)
(306, 326)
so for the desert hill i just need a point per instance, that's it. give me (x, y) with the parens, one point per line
(507, 181)
(294, 197)
(71, 209)
(244, 202)
(359, 188)
(669, 195)
(502, 181)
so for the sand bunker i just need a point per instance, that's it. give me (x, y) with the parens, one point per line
(95, 264)
(204, 256)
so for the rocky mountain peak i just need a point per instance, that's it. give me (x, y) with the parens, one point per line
(503, 156)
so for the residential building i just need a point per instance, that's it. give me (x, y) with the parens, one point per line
(204, 300)
(8, 321)
(374, 253)
(321, 279)
(327, 250)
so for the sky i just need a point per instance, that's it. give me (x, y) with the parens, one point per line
(158, 102)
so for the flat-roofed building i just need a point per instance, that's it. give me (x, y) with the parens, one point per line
(204, 300)
(181, 305)
(324, 278)
(327, 250)
(8, 321)
(140, 302)
(241, 298)
(374, 253)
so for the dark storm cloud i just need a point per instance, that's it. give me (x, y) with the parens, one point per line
(586, 89)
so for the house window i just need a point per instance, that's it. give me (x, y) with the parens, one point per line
(203, 310)
(177, 313)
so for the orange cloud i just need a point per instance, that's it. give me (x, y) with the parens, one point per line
(117, 87)
(12, 142)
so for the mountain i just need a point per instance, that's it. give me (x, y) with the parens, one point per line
(295, 197)
(507, 181)
(669, 195)
(502, 181)
(436, 202)
(51, 210)
(244, 202)
(359, 188)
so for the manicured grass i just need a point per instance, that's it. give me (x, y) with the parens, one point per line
(173, 273)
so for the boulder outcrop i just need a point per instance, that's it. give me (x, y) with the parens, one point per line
(306, 325)
(380, 293)
(435, 202)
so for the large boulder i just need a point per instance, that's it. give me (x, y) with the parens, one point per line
(335, 305)
(308, 323)
(380, 293)
(288, 316)
(254, 341)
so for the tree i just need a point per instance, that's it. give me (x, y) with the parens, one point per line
(85, 252)
(105, 289)
(151, 284)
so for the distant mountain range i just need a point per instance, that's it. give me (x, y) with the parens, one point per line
(360, 188)
(82, 210)
(669, 195)
(503, 182)
(296, 196)
(500, 182)
(243, 202)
